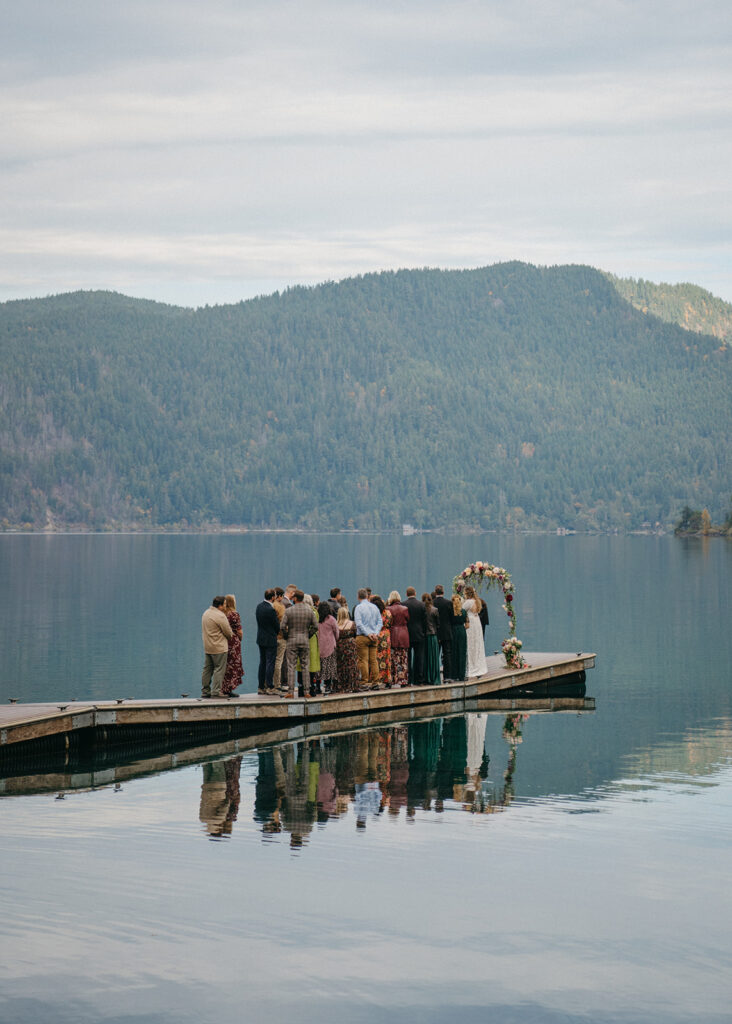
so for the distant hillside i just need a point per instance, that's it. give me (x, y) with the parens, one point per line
(508, 396)
(687, 305)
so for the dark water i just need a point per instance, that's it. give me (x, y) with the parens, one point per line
(562, 867)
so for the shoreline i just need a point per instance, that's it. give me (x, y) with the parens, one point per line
(237, 531)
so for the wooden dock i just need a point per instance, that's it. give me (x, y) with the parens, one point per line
(57, 724)
(118, 767)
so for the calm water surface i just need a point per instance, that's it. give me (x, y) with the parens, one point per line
(561, 867)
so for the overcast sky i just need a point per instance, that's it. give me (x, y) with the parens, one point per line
(203, 153)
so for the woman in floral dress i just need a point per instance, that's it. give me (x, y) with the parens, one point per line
(234, 670)
(348, 674)
(383, 644)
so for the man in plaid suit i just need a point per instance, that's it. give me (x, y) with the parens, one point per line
(298, 623)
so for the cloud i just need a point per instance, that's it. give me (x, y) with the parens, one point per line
(151, 136)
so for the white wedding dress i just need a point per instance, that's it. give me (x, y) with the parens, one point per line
(476, 651)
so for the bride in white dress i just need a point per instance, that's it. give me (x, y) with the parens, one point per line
(476, 651)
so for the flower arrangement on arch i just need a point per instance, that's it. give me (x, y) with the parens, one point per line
(480, 574)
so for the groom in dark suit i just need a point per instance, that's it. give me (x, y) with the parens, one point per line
(268, 626)
(444, 633)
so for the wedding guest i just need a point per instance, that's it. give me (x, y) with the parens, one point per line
(220, 796)
(432, 646)
(268, 627)
(280, 668)
(297, 624)
(417, 637)
(234, 670)
(298, 808)
(327, 641)
(348, 675)
(215, 633)
(368, 598)
(368, 626)
(476, 650)
(333, 600)
(483, 616)
(383, 644)
(444, 633)
(459, 639)
(399, 640)
(312, 682)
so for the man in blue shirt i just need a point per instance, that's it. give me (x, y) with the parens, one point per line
(368, 626)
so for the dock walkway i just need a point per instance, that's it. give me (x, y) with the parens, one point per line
(54, 721)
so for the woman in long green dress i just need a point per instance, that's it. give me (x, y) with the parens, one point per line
(459, 638)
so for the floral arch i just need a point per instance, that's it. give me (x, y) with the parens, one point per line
(483, 574)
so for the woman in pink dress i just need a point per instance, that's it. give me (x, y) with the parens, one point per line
(234, 668)
(327, 639)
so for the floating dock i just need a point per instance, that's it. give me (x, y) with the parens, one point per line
(57, 727)
(113, 767)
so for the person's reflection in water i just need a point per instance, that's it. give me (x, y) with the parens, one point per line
(367, 801)
(346, 748)
(475, 763)
(299, 805)
(424, 753)
(327, 795)
(383, 766)
(220, 796)
(269, 791)
(265, 788)
(399, 770)
(367, 792)
(417, 768)
(453, 754)
(433, 734)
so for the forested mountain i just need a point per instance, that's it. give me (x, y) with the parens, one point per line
(507, 396)
(687, 305)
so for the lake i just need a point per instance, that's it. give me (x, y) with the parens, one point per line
(557, 867)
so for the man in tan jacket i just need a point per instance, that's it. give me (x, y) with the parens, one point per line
(216, 633)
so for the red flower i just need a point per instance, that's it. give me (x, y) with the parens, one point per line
(509, 597)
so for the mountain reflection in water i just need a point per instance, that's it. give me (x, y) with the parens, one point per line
(420, 765)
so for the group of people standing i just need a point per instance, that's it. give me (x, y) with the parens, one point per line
(308, 646)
